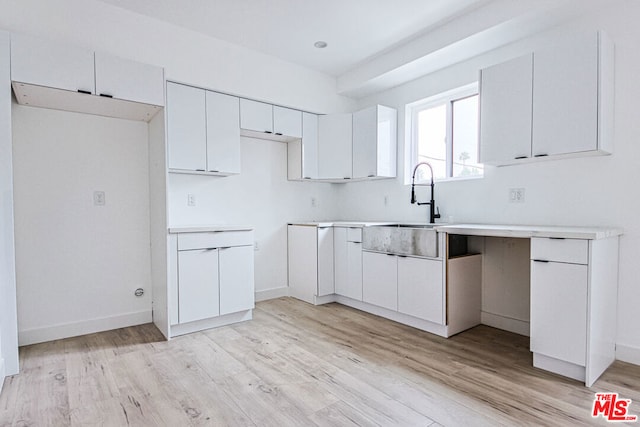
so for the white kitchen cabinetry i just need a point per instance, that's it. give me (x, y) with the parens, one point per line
(506, 101)
(128, 80)
(211, 281)
(198, 284)
(555, 103)
(51, 75)
(573, 96)
(573, 305)
(374, 142)
(223, 133)
(380, 279)
(420, 288)
(203, 133)
(186, 127)
(46, 63)
(310, 258)
(287, 121)
(335, 147)
(348, 262)
(256, 116)
(236, 279)
(303, 153)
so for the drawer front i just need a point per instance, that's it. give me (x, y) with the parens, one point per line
(354, 234)
(214, 239)
(574, 251)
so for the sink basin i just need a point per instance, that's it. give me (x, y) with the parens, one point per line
(402, 239)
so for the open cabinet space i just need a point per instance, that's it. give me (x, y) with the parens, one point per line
(82, 223)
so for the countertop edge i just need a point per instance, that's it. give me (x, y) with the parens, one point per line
(208, 228)
(528, 231)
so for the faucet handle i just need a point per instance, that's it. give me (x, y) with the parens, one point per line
(437, 215)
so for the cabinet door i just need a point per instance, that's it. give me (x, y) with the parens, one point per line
(309, 146)
(420, 288)
(303, 262)
(365, 141)
(186, 127)
(287, 122)
(341, 272)
(256, 116)
(506, 101)
(353, 288)
(565, 97)
(45, 63)
(236, 279)
(559, 310)
(130, 80)
(326, 283)
(198, 285)
(380, 279)
(223, 133)
(334, 146)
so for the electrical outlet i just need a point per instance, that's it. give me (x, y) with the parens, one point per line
(99, 198)
(386, 200)
(191, 199)
(255, 246)
(314, 202)
(516, 195)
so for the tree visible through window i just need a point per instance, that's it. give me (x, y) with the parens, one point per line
(445, 134)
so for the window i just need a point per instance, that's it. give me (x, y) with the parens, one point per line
(444, 133)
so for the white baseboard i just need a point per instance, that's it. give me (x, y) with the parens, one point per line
(3, 373)
(214, 322)
(497, 321)
(274, 293)
(67, 330)
(628, 354)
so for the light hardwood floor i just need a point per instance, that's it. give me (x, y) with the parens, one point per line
(299, 365)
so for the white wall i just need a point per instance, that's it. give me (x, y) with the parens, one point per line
(597, 191)
(78, 264)
(260, 196)
(8, 327)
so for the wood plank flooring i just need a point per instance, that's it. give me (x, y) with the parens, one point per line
(299, 365)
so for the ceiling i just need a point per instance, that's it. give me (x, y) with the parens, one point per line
(355, 30)
(372, 44)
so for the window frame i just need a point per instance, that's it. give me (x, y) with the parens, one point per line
(411, 112)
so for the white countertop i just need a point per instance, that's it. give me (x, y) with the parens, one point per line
(207, 228)
(528, 231)
(341, 223)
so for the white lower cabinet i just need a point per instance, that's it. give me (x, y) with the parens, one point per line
(348, 262)
(420, 288)
(236, 279)
(212, 276)
(573, 305)
(559, 310)
(310, 259)
(198, 285)
(380, 279)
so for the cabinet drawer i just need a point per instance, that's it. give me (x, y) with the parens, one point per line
(214, 239)
(354, 234)
(573, 251)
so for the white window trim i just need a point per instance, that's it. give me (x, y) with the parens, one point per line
(411, 110)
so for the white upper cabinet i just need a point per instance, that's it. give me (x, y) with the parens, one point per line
(45, 63)
(203, 132)
(335, 146)
(256, 116)
(506, 99)
(572, 96)
(129, 80)
(186, 127)
(302, 154)
(557, 102)
(223, 133)
(57, 76)
(374, 142)
(287, 122)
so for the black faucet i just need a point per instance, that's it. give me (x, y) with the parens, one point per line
(432, 203)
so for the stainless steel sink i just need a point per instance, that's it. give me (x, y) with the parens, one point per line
(402, 239)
